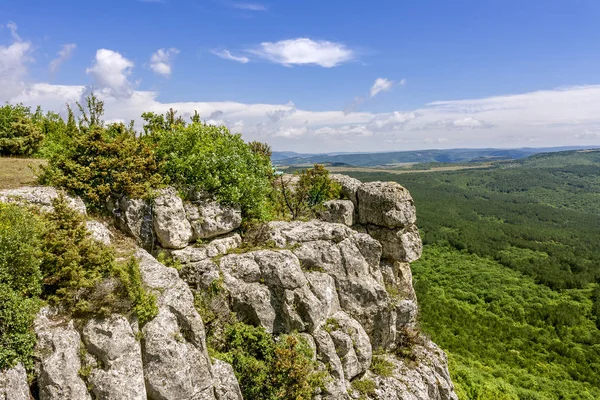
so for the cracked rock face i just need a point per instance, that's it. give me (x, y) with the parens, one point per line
(338, 211)
(210, 219)
(386, 204)
(171, 226)
(40, 196)
(13, 384)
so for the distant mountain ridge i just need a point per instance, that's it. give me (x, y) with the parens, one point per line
(287, 158)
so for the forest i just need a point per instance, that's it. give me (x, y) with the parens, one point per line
(509, 280)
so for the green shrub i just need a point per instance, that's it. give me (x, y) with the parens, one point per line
(212, 159)
(20, 284)
(267, 369)
(102, 162)
(58, 134)
(144, 303)
(19, 134)
(382, 367)
(365, 387)
(71, 259)
(303, 199)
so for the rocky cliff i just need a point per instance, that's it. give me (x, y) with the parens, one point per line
(342, 282)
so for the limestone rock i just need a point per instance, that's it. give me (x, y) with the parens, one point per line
(99, 232)
(176, 363)
(172, 228)
(216, 247)
(349, 186)
(40, 196)
(226, 384)
(134, 217)
(58, 344)
(385, 204)
(352, 344)
(13, 384)
(209, 218)
(112, 342)
(398, 245)
(338, 211)
(289, 233)
(426, 379)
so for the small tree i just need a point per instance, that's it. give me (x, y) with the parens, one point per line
(19, 134)
(303, 195)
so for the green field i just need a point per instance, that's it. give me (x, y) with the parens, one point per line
(509, 280)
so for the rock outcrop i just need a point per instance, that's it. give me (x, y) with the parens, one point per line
(343, 283)
(40, 196)
(169, 222)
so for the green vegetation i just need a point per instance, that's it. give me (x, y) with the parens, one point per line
(509, 280)
(52, 258)
(268, 369)
(20, 283)
(303, 198)
(20, 133)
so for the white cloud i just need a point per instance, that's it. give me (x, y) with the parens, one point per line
(14, 59)
(111, 71)
(249, 6)
(228, 56)
(380, 85)
(63, 55)
(161, 61)
(304, 51)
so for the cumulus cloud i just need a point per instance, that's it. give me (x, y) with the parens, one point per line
(14, 59)
(63, 55)
(228, 56)
(111, 71)
(161, 61)
(380, 85)
(305, 51)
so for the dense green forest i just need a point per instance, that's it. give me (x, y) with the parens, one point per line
(508, 282)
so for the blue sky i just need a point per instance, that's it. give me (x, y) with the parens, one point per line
(321, 75)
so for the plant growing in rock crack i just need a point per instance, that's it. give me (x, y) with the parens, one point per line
(382, 367)
(364, 387)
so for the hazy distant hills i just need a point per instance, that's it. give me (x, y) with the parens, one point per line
(414, 156)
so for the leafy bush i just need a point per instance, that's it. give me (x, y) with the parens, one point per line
(20, 284)
(144, 303)
(57, 133)
(303, 198)
(212, 159)
(102, 162)
(269, 370)
(19, 135)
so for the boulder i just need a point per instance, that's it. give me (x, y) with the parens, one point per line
(171, 226)
(338, 211)
(58, 346)
(351, 342)
(112, 341)
(134, 217)
(385, 204)
(209, 218)
(398, 244)
(176, 362)
(349, 186)
(13, 384)
(226, 384)
(40, 196)
(99, 232)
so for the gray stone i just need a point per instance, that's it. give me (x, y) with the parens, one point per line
(99, 232)
(176, 363)
(386, 204)
(425, 379)
(226, 384)
(209, 218)
(349, 186)
(338, 211)
(288, 233)
(134, 217)
(352, 344)
(13, 384)
(398, 245)
(200, 252)
(171, 226)
(112, 342)
(58, 346)
(280, 268)
(40, 196)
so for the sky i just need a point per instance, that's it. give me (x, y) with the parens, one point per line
(320, 76)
